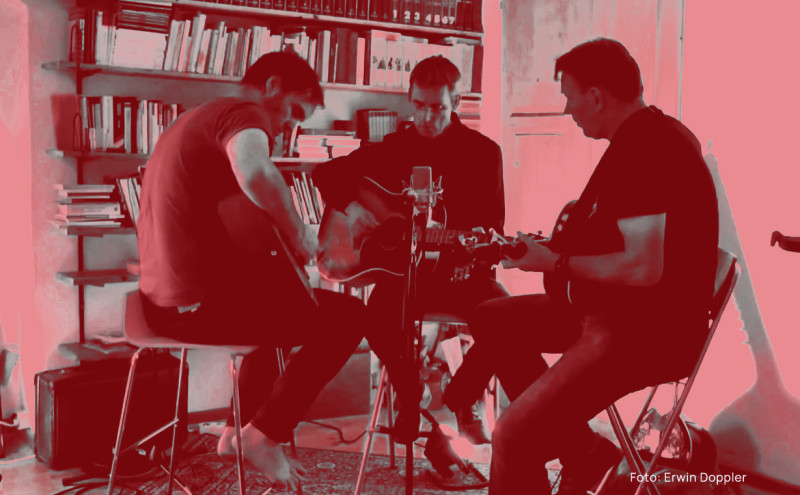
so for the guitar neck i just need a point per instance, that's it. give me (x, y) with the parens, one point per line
(442, 237)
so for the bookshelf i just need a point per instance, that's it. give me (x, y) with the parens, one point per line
(97, 77)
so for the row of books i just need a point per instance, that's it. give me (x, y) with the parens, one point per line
(339, 55)
(124, 124)
(306, 198)
(450, 14)
(130, 190)
(87, 205)
(372, 125)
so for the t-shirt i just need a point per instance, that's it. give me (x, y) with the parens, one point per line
(653, 165)
(183, 247)
(469, 163)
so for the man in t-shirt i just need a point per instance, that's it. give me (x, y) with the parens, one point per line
(639, 250)
(200, 283)
(471, 170)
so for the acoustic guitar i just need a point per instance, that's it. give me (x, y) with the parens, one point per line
(362, 259)
(253, 233)
(499, 248)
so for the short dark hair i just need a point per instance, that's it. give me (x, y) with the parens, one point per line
(434, 72)
(603, 63)
(296, 75)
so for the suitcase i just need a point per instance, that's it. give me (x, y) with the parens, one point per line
(78, 408)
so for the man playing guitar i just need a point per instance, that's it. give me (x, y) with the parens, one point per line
(639, 250)
(470, 167)
(209, 178)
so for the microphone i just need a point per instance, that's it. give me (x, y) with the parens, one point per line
(422, 185)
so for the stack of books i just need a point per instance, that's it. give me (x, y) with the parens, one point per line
(322, 144)
(87, 205)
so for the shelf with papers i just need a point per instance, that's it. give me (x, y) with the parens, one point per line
(318, 19)
(88, 231)
(98, 278)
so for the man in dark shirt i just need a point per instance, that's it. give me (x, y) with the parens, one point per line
(201, 284)
(471, 171)
(639, 250)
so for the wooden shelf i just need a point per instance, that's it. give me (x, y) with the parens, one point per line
(289, 164)
(94, 231)
(98, 278)
(86, 70)
(361, 24)
(88, 155)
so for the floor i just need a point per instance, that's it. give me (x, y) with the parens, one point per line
(22, 474)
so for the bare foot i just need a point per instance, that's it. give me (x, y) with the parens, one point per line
(225, 446)
(267, 456)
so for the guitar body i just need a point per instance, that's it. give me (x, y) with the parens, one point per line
(360, 260)
(254, 235)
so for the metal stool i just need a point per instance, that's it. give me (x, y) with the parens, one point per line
(138, 333)
(385, 389)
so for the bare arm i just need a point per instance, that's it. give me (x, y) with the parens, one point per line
(248, 152)
(641, 263)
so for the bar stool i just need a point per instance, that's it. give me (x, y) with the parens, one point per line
(385, 390)
(139, 334)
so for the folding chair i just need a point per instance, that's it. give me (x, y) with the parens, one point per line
(727, 274)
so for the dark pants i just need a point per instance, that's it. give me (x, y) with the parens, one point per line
(603, 359)
(435, 293)
(328, 336)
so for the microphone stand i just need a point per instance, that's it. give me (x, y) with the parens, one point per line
(412, 331)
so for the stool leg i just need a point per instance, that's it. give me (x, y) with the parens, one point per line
(174, 450)
(373, 421)
(123, 417)
(237, 422)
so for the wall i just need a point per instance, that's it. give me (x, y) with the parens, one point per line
(740, 80)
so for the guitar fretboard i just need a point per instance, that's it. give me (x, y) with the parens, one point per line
(448, 236)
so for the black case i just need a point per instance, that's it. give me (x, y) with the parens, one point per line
(78, 408)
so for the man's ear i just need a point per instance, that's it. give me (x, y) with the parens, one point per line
(273, 86)
(596, 98)
(456, 100)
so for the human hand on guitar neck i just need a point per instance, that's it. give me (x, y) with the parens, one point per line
(537, 256)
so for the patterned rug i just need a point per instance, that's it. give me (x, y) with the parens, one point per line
(329, 473)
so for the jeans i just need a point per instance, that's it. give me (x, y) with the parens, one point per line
(604, 358)
(327, 336)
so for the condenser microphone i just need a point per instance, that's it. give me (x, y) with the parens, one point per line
(422, 185)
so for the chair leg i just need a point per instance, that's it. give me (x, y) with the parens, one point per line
(390, 423)
(237, 421)
(123, 417)
(629, 450)
(376, 411)
(177, 420)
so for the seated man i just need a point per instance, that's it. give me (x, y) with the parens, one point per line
(639, 252)
(471, 170)
(199, 284)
